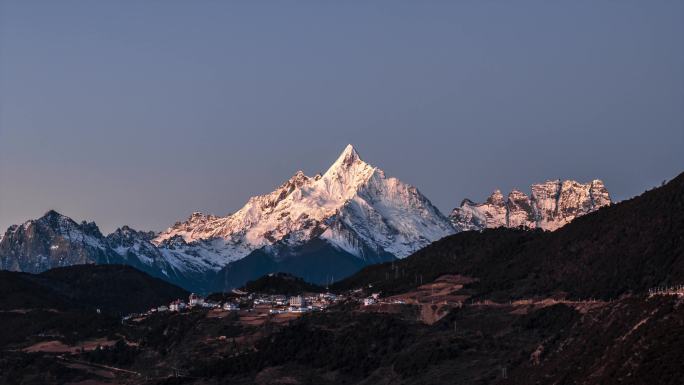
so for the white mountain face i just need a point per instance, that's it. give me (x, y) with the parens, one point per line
(552, 205)
(353, 206)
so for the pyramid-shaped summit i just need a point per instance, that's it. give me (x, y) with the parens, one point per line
(347, 159)
(353, 207)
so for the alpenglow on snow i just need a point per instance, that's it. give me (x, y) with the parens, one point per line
(552, 205)
(353, 206)
(321, 228)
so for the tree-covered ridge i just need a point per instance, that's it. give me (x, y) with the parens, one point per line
(627, 247)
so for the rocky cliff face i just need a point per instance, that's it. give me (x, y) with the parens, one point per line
(53, 240)
(551, 205)
(519, 211)
(477, 216)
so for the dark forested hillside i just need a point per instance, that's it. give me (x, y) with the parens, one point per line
(280, 283)
(316, 261)
(115, 289)
(627, 247)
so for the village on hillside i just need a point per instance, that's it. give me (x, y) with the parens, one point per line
(244, 303)
(259, 304)
(433, 300)
(257, 307)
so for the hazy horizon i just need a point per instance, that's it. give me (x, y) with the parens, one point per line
(137, 113)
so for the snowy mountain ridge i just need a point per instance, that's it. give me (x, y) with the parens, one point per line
(353, 206)
(552, 204)
(319, 228)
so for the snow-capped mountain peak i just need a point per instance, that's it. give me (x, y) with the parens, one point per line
(352, 206)
(343, 179)
(349, 162)
(318, 227)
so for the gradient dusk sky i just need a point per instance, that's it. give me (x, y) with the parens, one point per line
(140, 112)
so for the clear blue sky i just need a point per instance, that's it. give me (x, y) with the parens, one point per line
(140, 112)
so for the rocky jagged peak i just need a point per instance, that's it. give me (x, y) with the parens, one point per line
(128, 232)
(299, 176)
(476, 216)
(195, 220)
(62, 224)
(50, 241)
(175, 241)
(599, 193)
(198, 216)
(597, 183)
(54, 219)
(517, 197)
(551, 205)
(467, 202)
(515, 194)
(51, 215)
(298, 180)
(496, 198)
(519, 212)
(90, 228)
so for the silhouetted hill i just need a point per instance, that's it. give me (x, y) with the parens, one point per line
(626, 247)
(115, 289)
(280, 283)
(316, 261)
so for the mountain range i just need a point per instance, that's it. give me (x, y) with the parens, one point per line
(497, 306)
(551, 205)
(321, 228)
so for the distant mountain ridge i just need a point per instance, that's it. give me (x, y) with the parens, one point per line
(321, 228)
(349, 217)
(53, 240)
(551, 205)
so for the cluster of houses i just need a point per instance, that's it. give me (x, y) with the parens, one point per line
(677, 290)
(375, 299)
(278, 304)
(275, 304)
(196, 301)
(270, 303)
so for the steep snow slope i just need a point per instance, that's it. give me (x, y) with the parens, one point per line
(353, 206)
